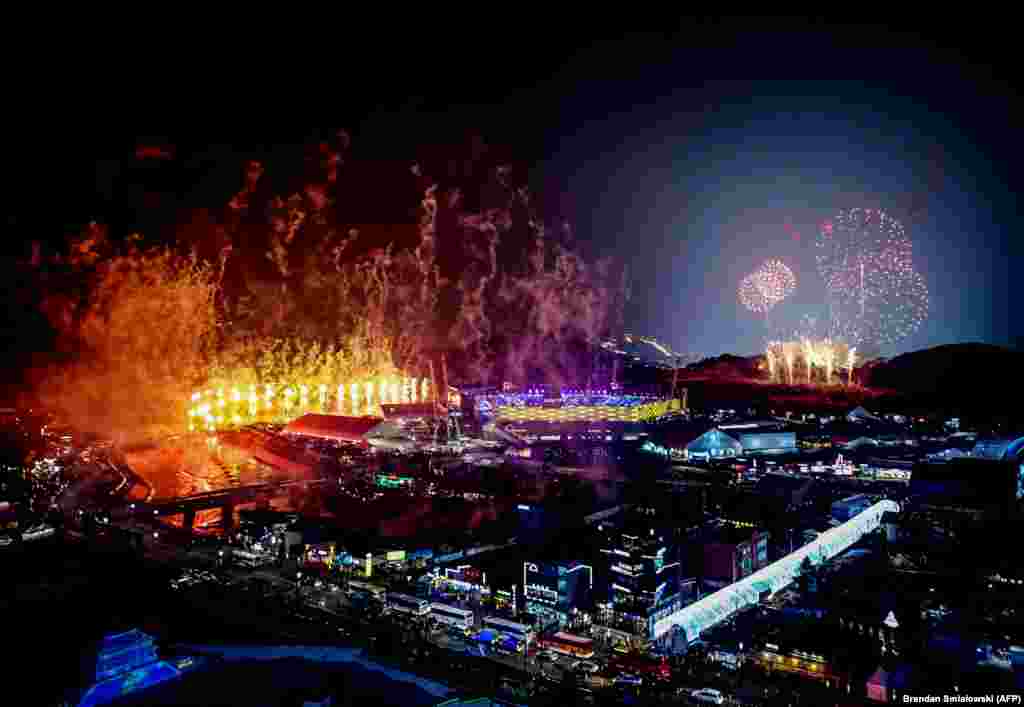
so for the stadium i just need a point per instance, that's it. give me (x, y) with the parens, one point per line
(549, 413)
(237, 405)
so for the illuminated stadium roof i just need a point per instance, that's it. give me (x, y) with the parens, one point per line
(394, 411)
(336, 427)
(714, 608)
(639, 410)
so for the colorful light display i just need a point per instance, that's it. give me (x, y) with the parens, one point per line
(821, 360)
(214, 409)
(638, 412)
(764, 288)
(874, 293)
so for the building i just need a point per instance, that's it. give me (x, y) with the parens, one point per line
(768, 443)
(762, 436)
(641, 576)
(551, 413)
(125, 663)
(983, 488)
(338, 428)
(847, 508)
(888, 686)
(860, 416)
(552, 591)
(736, 553)
(1007, 449)
(122, 652)
(714, 444)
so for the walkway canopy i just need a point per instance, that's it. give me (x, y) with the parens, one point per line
(714, 608)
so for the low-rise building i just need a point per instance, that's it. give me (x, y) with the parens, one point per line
(554, 590)
(734, 553)
(845, 509)
(714, 444)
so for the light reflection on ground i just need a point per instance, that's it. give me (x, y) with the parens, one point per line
(185, 469)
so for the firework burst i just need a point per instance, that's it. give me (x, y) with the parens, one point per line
(764, 288)
(874, 293)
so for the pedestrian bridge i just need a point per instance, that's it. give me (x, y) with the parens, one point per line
(718, 606)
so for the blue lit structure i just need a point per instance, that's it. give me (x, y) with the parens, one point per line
(566, 399)
(121, 652)
(714, 444)
(696, 618)
(1001, 449)
(126, 662)
(128, 682)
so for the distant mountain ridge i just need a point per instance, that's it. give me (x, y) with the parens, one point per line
(976, 370)
(983, 379)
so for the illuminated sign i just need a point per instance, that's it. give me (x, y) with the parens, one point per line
(391, 481)
(395, 556)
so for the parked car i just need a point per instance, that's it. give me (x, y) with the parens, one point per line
(585, 666)
(627, 679)
(708, 695)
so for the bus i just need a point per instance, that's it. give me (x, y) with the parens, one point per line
(408, 605)
(520, 632)
(378, 593)
(568, 644)
(461, 619)
(641, 665)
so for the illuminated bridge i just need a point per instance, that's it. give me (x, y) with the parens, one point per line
(715, 608)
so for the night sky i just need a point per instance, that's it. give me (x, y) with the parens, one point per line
(693, 154)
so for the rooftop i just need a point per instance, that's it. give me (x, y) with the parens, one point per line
(337, 427)
(120, 641)
(729, 534)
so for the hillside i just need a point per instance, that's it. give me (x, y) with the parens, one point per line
(975, 377)
(726, 366)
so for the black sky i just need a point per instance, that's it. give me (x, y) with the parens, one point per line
(691, 152)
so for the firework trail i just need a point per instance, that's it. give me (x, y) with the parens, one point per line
(330, 311)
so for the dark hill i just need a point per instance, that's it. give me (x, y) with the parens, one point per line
(974, 377)
(726, 366)
(978, 380)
